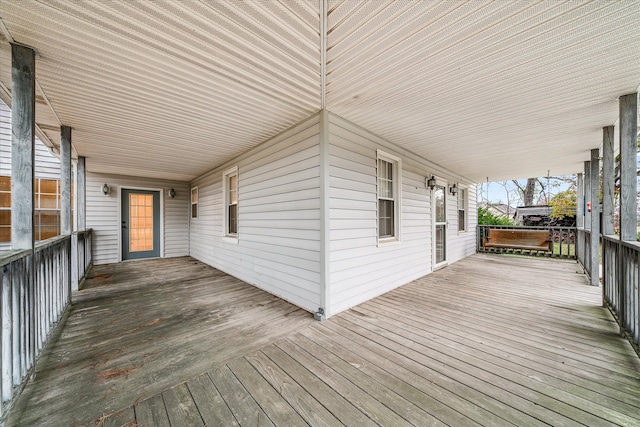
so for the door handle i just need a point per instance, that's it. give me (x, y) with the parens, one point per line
(124, 224)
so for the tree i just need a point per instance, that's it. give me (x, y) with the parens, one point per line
(487, 218)
(564, 204)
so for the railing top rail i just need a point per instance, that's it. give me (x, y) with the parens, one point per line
(616, 239)
(44, 244)
(10, 256)
(7, 257)
(527, 227)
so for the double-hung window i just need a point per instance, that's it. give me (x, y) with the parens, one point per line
(194, 202)
(388, 174)
(230, 188)
(462, 209)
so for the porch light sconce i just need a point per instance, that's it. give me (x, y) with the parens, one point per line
(454, 189)
(172, 193)
(105, 189)
(431, 182)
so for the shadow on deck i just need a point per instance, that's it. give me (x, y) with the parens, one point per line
(490, 340)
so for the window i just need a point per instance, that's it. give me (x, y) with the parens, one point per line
(194, 202)
(5, 209)
(462, 209)
(46, 208)
(388, 197)
(230, 179)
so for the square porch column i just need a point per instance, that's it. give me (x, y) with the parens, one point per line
(65, 180)
(628, 167)
(23, 72)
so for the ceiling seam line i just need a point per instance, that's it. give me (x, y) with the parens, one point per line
(323, 53)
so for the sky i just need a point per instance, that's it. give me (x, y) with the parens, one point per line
(501, 191)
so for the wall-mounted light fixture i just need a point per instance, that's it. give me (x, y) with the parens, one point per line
(105, 189)
(431, 182)
(172, 193)
(454, 189)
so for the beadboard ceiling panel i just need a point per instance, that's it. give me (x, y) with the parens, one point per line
(172, 88)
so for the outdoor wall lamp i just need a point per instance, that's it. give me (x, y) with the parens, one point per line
(431, 182)
(454, 189)
(172, 193)
(105, 189)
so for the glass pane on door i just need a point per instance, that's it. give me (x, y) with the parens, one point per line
(441, 215)
(439, 225)
(441, 235)
(140, 222)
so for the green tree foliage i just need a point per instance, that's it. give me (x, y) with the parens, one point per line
(487, 218)
(563, 204)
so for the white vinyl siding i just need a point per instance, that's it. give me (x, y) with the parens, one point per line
(360, 269)
(103, 214)
(462, 244)
(278, 244)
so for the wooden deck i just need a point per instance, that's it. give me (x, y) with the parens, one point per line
(491, 340)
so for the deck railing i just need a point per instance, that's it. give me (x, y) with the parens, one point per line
(583, 249)
(563, 239)
(35, 291)
(621, 273)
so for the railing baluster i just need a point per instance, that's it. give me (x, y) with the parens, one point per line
(35, 291)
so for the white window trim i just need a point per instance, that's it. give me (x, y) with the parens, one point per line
(466, 209)
(197, 202)
(397, 200)
(229, 238)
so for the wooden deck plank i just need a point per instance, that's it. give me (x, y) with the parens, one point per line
(124, 417)
(243, 406)
(211, 405)
(313, 412)
(464, 365)
(489, 340)
(271, 402)
(373, 408)
(563, 353)
(577, 397)
(451, 401)
(340, 407)
(477, 345)
(350, 366)
(152, 412)
(181, 408)
(168, 320)
(587, 334)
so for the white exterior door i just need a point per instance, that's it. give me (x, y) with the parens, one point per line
(439, 215)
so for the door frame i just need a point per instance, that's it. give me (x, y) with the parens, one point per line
(120, 188)
(440, 183)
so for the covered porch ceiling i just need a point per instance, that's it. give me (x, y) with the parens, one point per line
(170, 89)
